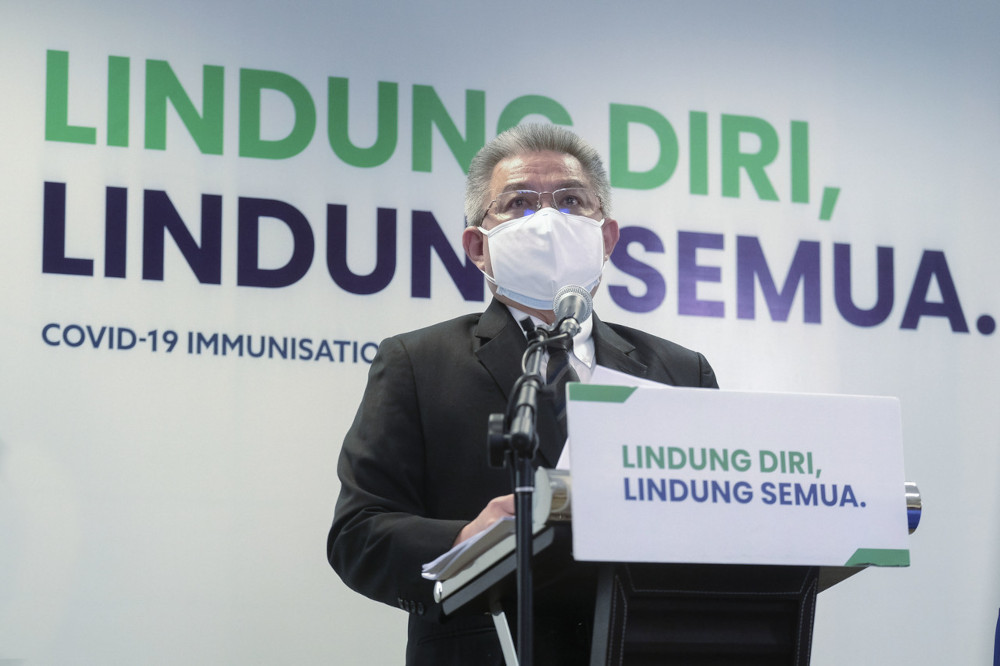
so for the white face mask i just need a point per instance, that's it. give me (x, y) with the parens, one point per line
(536, 255)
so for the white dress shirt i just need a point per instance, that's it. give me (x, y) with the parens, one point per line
(582, 357)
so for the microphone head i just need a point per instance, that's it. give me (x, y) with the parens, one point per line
(572, 302)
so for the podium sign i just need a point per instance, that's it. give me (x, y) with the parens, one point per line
(730, 477)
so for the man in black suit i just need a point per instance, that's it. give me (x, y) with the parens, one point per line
(415, 478)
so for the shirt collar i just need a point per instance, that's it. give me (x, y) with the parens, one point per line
(583, 342)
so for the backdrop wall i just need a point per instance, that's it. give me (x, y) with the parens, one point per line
(211, 215)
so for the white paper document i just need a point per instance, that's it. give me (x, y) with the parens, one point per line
(465, 553)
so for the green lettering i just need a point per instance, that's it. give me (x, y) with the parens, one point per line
(768, 461)
(654, 457)
(429, 111)
(733, 159)
(205, 128)
(118, 106)
(57, 127)
(527, 105)
(800, 161)
(623, 115)
(387, 133)
(252, 84)
(698, 121)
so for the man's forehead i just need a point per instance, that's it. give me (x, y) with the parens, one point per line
(538, 170)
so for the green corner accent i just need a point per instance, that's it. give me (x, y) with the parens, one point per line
(879, 557)
(600, 392)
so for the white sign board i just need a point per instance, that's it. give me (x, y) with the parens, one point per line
(692, 475)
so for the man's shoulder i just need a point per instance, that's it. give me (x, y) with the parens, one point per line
(486, 324)
(663, 360)
(645, 340)
(442, 332)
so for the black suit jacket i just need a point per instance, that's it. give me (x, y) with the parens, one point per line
(414, 470)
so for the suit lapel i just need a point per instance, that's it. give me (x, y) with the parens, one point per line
(613, 351)
(610, 350)
(501, 345)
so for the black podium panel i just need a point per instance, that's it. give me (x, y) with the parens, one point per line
(661, 614)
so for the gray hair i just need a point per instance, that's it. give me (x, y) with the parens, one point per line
(530, 138)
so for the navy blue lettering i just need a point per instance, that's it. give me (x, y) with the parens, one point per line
(324, 351)
(248, 270)
(427, 236)
(209, 343)
(115, 219)
(656, 286)
(336, 251)
(690, 273)
(45, 335)
(77, 337)
(160, 217)
(750, 264)
(767, 491)
(125, 338)
(934, 265)
(232, 344)
(805, 494)
(879, 312)
(54, 259)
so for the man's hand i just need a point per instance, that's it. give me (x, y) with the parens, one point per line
(498, 508)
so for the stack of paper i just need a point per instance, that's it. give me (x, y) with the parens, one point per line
(465, 553)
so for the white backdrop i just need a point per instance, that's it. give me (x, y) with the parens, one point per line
(165, 507)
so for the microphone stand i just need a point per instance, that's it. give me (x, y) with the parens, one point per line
(512, 441)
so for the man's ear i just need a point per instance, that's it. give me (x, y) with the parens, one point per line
(472, 242)
(610, 232)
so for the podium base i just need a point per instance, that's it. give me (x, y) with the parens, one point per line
(696, 614)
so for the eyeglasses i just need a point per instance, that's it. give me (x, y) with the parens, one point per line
(518, 203)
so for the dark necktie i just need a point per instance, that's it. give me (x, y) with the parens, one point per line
(558, 372)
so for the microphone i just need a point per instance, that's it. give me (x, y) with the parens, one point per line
(571, 305)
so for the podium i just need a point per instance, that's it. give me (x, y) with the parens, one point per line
(660, 613)
(691, 614)
(751, 601)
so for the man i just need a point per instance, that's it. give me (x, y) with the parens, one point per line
(415, 478)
